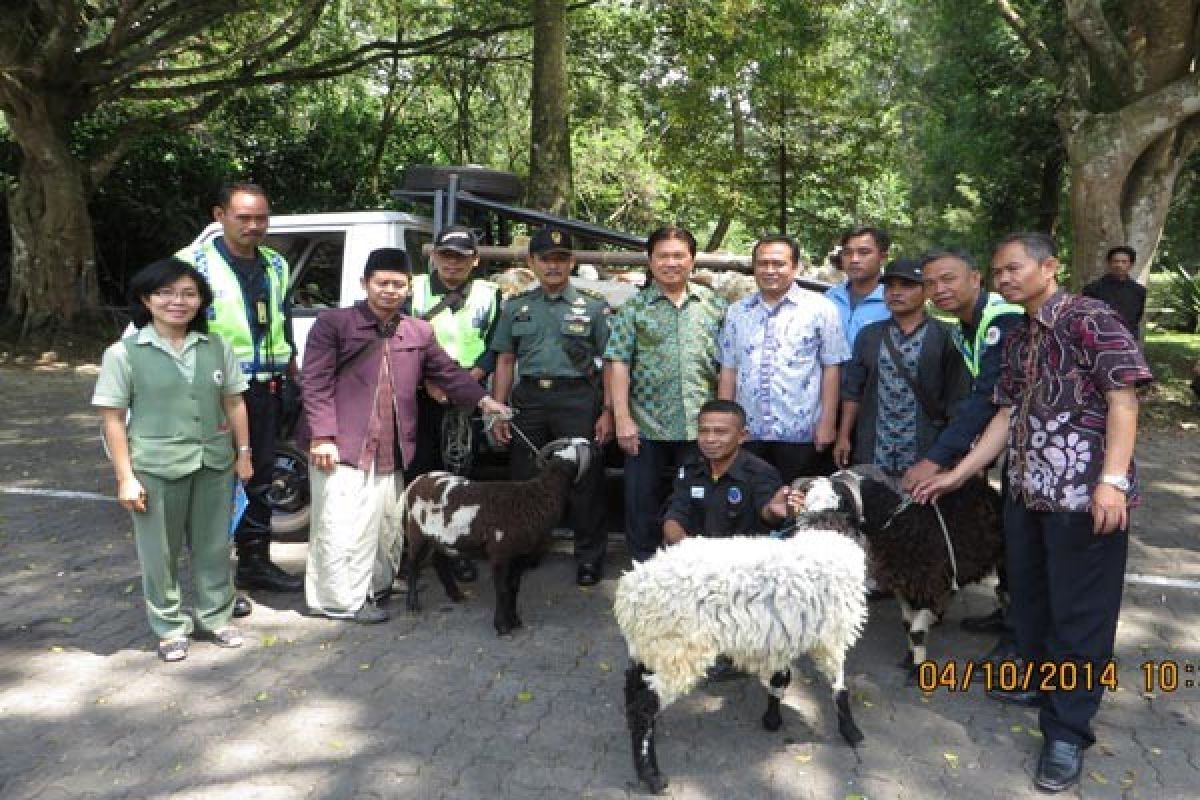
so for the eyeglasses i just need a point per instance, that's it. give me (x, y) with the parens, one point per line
(166, 295)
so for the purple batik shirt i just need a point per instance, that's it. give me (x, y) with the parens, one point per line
(1056, 369)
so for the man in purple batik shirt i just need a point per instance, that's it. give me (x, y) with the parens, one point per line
(1068, 411)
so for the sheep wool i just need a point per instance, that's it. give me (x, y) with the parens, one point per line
(760, 602)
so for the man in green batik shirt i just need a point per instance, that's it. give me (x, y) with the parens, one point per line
(663, 356)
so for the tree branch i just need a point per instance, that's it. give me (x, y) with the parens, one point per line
(1037, 47)
(340, 64)
(1088, 20)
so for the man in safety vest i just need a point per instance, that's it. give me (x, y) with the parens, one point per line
(463, 311)
(249, 311)
(980, 320)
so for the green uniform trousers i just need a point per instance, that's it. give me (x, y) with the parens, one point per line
(193, 510)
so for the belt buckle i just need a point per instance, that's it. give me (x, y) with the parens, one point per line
(545, 383)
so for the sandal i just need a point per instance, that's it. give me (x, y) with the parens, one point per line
(173, 649)
(229, 636)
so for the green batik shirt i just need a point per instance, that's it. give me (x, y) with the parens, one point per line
(672, 358)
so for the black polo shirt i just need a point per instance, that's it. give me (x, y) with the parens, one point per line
(729, 506)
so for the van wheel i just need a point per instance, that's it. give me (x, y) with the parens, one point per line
(497, 185)
(289, 494)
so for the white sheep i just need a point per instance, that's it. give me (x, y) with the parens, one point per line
(761, 602)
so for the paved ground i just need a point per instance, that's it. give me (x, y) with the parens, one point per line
(435, 706)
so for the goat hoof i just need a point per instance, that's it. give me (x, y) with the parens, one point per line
(850, 732)
(772, 721)
(906, 662)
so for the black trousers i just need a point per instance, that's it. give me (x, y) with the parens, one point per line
(647, 482)
(793, 459)
(1066, 585)
(567, 409)
(263, 406)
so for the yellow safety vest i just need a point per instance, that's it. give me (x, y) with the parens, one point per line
(460, 333)
(228, 313)
(972, 353)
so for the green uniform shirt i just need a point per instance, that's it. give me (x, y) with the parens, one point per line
(672, 357)
(553, 336)
(114, 386)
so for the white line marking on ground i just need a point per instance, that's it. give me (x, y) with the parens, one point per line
(60, 493)
(1155, 580)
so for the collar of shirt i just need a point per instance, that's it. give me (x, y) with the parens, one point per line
(568, 295)
(841, 291)
(794, 295)
(654, 294)
(148, 335)
(737, 468)
(368, 318)
(438, 288)
(1048, 314)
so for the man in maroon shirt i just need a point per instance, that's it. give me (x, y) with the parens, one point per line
(1068, 411)
(362, 366)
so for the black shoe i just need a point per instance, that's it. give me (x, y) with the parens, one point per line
(988, 623)
(1020, 697)
(464, 570)
(370, 614)
(588, 574)
(1059, 766)
(242, 607)
(876, 595)
(261, 573)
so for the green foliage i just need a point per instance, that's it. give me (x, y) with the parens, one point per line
(987, 153)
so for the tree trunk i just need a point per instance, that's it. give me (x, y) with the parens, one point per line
(550, 133)
(53, 256)
(1120, 188)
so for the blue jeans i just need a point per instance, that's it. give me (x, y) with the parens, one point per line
(648, 477)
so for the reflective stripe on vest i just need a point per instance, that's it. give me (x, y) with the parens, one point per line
(459, 333)
(973, 354)
(227, 315)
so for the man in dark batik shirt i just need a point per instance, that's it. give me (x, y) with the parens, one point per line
(1068, 411)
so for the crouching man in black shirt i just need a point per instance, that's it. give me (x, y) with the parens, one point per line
(724, 490)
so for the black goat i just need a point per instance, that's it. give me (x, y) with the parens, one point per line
(506, 522)
(908, 549)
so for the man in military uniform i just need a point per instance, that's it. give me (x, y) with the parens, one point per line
(249, 311)
(556, 333)
(724, 490)
(462, 310)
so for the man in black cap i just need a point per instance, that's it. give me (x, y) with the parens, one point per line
(463, 310)
(903, 382)
(556, 332)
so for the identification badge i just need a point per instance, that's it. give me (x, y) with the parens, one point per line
(261, 308)
(697, 492)
(576, 325)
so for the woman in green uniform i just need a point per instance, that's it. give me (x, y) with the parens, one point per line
(170, 400)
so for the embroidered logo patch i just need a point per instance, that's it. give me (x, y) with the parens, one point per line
(218, 377)
(734, 495)
(993, 335)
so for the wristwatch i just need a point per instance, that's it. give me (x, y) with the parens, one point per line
(1119, 482)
